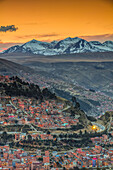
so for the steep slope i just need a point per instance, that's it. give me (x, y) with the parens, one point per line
(11, 68)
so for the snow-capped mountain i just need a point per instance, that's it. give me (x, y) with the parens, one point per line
(108, 44)
(66, 46)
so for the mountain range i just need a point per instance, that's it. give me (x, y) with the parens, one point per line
(65, 46)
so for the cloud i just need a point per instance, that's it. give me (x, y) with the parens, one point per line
(4, 46)
(102, 38)
(30, 23)
(49, 40)
(10, 28)
(26, 36)
(34, 23)
(111, 1)
(48, 35)
(37, 36)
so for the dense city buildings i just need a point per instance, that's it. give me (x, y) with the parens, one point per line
(51, 134)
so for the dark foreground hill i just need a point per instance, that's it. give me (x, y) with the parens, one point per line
(14, 86)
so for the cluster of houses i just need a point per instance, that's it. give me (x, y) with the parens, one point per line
(104, 139)
(87, 157)
(19, 159)
(47, 114)
(7, 112)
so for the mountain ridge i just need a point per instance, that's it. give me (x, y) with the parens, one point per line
(66, 46)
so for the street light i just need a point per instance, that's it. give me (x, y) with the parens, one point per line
(94, 127)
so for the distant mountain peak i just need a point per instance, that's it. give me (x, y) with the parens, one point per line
(33, 41)
(108, 42)
(68, 38)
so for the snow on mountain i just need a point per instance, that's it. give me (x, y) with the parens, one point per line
(62, 45)
(102, 47)
(53, 43)
(66, 46)
(80, 46)
(37, 47)
(108, 44)
(17, 48)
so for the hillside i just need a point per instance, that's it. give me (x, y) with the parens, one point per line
(11, 68)
(15, 87)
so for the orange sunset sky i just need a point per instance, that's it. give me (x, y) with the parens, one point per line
(48, 20)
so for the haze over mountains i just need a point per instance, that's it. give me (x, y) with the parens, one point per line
(66, 46)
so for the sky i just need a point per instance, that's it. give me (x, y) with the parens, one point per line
(48, 20)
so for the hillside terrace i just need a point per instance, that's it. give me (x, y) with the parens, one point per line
(17, 158)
